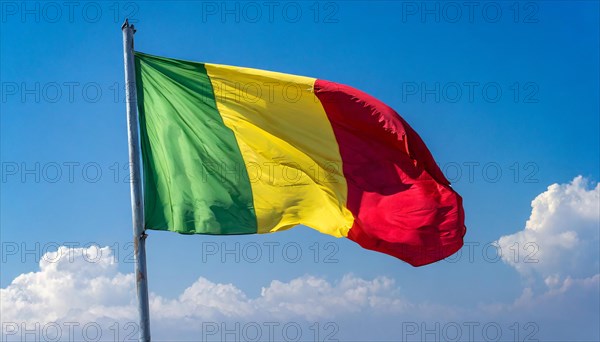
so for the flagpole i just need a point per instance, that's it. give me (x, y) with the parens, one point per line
(139, 236)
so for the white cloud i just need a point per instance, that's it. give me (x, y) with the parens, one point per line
(561, 237)
(315, 298)
(72, 284)
(560, 247)
(83, 285)
(566, 311)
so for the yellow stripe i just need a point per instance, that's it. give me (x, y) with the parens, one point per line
(288, 146)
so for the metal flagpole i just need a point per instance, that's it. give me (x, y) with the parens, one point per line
(139, 236)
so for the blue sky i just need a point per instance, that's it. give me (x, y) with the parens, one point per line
(505, 94)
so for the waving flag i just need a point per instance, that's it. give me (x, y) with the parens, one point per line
(230, 150)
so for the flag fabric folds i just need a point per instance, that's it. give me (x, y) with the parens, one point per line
(231, 150)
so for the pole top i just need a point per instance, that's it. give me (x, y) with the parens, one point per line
(126, 25)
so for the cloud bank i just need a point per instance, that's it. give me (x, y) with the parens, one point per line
(79, 294)
(83, 285)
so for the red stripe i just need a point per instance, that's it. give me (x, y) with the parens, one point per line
(402, 203)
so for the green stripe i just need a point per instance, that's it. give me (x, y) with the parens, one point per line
(195, 180)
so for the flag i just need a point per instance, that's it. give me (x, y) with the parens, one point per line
(229, 150)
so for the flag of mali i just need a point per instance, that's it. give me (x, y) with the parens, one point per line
(231, 150)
